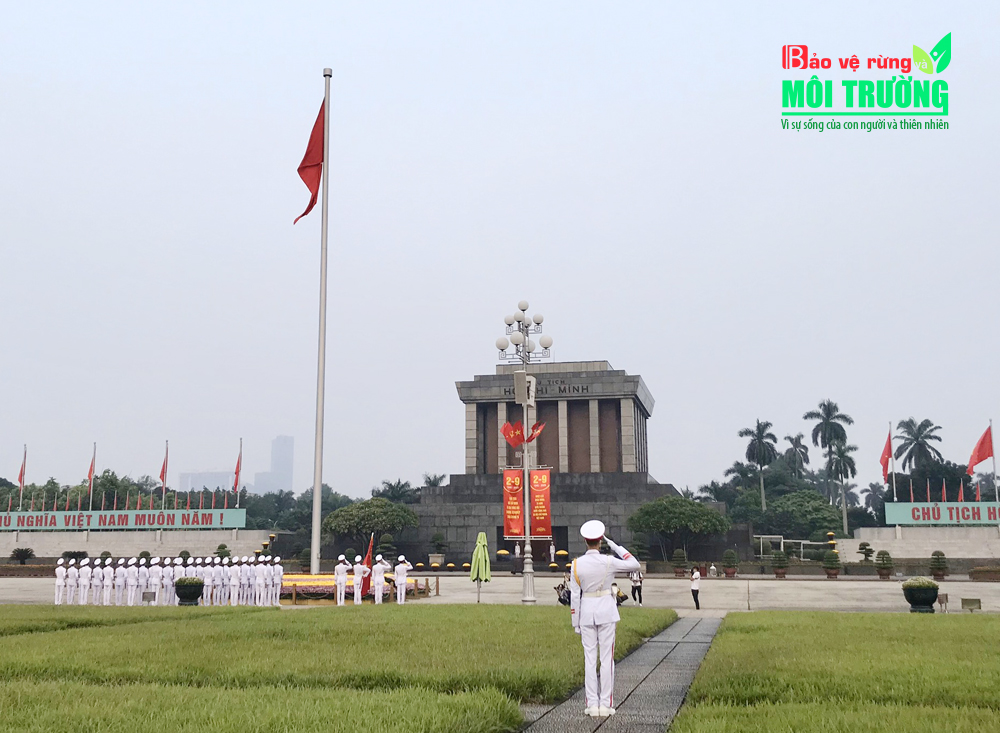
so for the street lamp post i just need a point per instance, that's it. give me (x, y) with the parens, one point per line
(520, 327)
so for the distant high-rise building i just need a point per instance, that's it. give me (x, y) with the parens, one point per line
(279, 478)
(211, 480)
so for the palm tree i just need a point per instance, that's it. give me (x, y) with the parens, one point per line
(842, 465)
(874, 495)
(828, 430)
(914, 443)
(760, 450)
(743, 473)
(434, 479)
(797, 454)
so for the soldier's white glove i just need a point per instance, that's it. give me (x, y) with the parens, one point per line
(576, 629)
(615, 547)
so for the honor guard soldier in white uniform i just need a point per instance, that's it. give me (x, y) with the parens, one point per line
(132, 580)
(143, 579)
(224, 582)
(120, 575)
(208, 594)
(259, 581)
(167, 596)
(378, 577)
(86, 573)
(246, 580)
(340, 578)
(97, 583)
(72, 581)
(60, 580)
(218, 581)
(399, 578)
(361, 572)
(279, 573)
(155, 580)
(268, 581)
(234, 582)
(109, 580)
(594, 613)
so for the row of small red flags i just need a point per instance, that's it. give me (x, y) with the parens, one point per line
(982, 451)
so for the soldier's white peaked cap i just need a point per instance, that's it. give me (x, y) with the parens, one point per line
(121, 561)
(277, 558)
(108, 561)
(357, 558)
(217, 560)
(131, 561)
(402, 558)
(60, 561)
(341, 558)
(72, 561)
(592, 530)
(85, 561)
(378, 557)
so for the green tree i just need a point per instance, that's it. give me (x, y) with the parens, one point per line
(725, 493)
(22, 554)
(797, 454)
(828, 430)
(377, 515)
(915, 443)
(675, 522)
(842, 465)
(799, 515)
(397, 491)
(761, 451)
(742, 474)
(434, 479)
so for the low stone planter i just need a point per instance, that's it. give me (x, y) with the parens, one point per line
(729, 572)
(832, 573)
(884, 573)
(680, 573)
(780, 573)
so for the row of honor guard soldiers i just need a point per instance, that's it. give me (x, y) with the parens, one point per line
(241, 581)
(377, 571)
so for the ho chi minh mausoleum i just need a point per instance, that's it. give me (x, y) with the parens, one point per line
(594, 442)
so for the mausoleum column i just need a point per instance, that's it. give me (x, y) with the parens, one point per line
(628, 435)
(563, 437)
(501, 446)
(595, 438)
(471, 438)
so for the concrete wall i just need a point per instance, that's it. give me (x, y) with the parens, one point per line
(164, 543)
(919, 542)
(472, 503)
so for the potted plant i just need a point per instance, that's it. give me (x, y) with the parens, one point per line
(939, 565)
(883, 564)
(189, 590)
(866, 551)
(831, 564)
(920, 593)
(437, 541)
(779, 563)
(729, 562)
(679, 561)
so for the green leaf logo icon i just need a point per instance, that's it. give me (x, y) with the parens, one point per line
(941, 53)
(922, 61)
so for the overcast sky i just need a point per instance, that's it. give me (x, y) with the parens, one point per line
(620, 166)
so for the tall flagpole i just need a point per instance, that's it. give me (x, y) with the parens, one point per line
(163, 478)
(321, 365)
(996, 491)
(24, 463)
(892, 460)
(93, 466)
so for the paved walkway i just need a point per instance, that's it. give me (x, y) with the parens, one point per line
(650, 684)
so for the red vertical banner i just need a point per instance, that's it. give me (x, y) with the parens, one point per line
(513, 503)
(541, 502)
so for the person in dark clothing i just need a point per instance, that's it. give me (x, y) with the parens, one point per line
(636, 578)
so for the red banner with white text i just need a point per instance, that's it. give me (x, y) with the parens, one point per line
(513, 503)
(541, 503)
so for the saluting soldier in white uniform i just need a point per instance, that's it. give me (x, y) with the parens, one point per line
(340, 578)
(361, 571)
(594, 613)
(97, 583)
(399, 578)
(120, 575)
(132, 580)
(378, 577)
(109, 580)
(86, 573)
(60, 580)
(72, 581)
(279, 573)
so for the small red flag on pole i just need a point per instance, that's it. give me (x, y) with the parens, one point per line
(961, 490)
(138, 501)
(10, 503)
(978, 495)
(928, 489)
(189, 500)
(239, 460)
(90, 479)
(982, 451)
(225, 500)
(20, 479)
(366, 583)
(102, 501)
(79, 501)
(213, 500)
(911, 489)
(128, 498)
(67, 502)
(33, 502)
(175, 501)
(311, 167)
(944, 494)
(163, 477)
(201, 499)
(116, 500)
(884, 460)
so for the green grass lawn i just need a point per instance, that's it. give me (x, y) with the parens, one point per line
(795, 671)
(445, 668)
